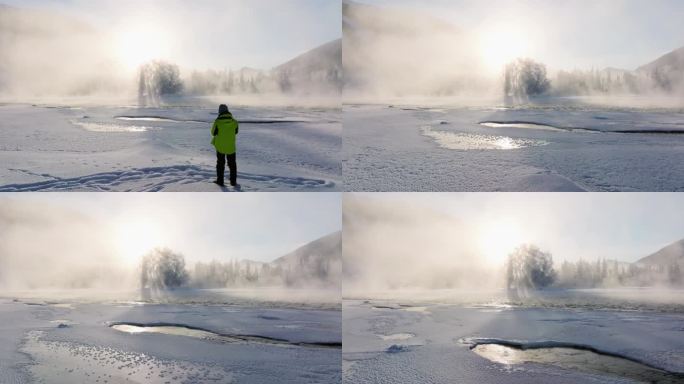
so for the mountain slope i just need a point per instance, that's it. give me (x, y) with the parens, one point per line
(674, 59)
(318, 70)
(666, 72)
(319, 261)
(666, 256)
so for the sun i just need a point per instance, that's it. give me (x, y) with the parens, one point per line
(501, 45)
(140, 44)
(135, 237)
(498, 238)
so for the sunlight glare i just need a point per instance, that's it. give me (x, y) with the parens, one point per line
(501, 45)
(135, 238)
(497, 239)
(137, 45)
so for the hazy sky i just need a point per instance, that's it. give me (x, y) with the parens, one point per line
(207, 33)
(567, 34)
(623, 226)
(257, 226)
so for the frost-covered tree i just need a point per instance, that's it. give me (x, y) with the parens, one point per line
(284, 81)
(524, 78)
(162, 268)
(527, 268)
(162, 77)
(168, 77)
(674, 274)
(158, 78)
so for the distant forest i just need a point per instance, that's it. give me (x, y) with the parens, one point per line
(528, 267)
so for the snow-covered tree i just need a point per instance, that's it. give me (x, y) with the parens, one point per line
(162, 77)
(162, 268)
(524, 78)
(527, 268)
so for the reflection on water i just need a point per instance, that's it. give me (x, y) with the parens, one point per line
(577, 360)
(160, 119)
(471, 141)
(103, 127)
(145, 118)
(168, 330)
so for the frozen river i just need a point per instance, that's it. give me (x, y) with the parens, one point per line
(80, 341)
(550, 147)
(427, 342)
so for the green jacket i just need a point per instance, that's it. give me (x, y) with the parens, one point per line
(224, 132)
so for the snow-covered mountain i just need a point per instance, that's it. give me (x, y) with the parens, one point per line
(673, 60)
(668, 255)
(315, 264)
(667, 72)
(318, 70)
(315, 72)
(319, 261)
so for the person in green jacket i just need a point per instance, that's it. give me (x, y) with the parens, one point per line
(224, 132)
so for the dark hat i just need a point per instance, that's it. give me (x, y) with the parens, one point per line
(223, 109)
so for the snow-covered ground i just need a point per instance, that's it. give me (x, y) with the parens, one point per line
(566, 146)
(423, 341)
(72, 341)
(105, 148)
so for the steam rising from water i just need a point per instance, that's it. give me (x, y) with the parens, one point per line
(43, 246)
(414, 52)
(53, 252)
(390, 52)
(389, 245)
(49, 55)
(458, 248)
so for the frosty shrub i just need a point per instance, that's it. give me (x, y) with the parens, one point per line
(525, 77)
(162, 268)
(529, 268)
(163, 76)
(156, 79)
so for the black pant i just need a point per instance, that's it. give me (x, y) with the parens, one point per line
(221, 167)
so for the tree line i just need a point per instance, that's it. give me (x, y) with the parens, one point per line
(163, 268)
(529, 268)
(524, 78)
(159, 78)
